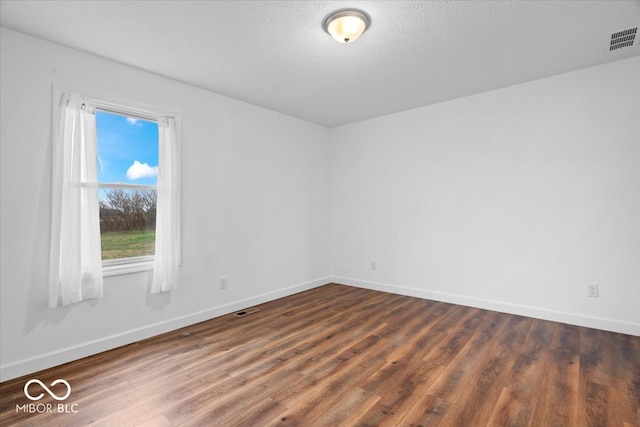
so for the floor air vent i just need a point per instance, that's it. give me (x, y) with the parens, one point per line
(624, 38)
(246, 312)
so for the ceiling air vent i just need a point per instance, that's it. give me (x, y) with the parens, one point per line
(623, 38)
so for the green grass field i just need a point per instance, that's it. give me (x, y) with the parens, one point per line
(126, 244)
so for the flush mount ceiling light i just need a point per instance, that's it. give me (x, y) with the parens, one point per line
(346, 25)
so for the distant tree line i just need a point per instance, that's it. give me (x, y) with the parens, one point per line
(128, 210)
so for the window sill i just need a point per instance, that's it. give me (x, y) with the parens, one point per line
(126, 268)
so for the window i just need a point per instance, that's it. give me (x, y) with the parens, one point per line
(115, 198)
(127, 179)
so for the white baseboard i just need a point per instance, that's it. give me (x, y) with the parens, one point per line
(48, 360)
(535, 312)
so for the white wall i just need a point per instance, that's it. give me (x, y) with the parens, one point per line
(255, 208)
(512, 200)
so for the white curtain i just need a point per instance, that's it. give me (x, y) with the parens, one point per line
(167, 254)
(75, 267)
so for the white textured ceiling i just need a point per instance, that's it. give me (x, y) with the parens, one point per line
(276, 55)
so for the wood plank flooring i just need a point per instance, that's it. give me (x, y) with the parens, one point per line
(344, 356)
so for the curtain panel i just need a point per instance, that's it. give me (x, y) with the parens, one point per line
(167, 249)
(75, 266)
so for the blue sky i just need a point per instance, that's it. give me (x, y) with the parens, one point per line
(127, 149)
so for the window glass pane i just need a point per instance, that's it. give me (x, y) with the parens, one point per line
(127, 154)
(127, 149)
(127, 223)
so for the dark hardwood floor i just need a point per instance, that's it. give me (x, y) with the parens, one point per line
(342, 356)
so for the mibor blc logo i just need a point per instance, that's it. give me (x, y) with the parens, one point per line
(52, 394)
(60, 393)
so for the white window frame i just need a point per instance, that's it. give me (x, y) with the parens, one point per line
(102, 102)
(113, 267)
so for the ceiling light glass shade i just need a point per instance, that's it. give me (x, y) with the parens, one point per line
(346, 25)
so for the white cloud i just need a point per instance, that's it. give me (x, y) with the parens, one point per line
(141, 170)
(133, 122)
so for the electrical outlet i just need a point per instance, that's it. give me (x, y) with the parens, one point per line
(592, 291)
(374, 265)
(223, 283)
